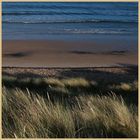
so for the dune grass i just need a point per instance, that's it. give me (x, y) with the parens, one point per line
(67, 83)
(29, 115)
(126, 86)
(68, 108)
(74, 86)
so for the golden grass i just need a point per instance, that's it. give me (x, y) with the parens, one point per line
(26, 115)
(126, 86)
(55, 82)
(72, 82)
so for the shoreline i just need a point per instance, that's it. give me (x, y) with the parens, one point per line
(72, 54)
(20, 67)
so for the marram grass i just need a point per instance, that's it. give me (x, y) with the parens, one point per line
(28, 115)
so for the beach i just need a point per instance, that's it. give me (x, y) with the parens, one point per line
(70, 70)
(33, 53)
(69, 34)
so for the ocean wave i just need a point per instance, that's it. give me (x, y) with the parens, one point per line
(86, 13)
(47, 13)
(78, 31)
(69, 21)
(53, 6)
(96, 31)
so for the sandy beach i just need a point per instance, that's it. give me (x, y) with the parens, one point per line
(33, 53)
(70, 70)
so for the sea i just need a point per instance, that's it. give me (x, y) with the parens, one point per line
(103, 21)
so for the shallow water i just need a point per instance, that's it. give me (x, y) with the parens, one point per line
(68, 20)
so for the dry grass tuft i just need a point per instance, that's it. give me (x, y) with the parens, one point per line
(126, 86)
(71, 82)
(26, 115)
(75, 82)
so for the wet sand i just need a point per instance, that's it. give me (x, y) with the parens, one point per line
(20, 53)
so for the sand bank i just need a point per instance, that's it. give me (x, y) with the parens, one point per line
(31, 53)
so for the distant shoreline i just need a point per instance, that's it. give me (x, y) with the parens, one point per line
(111, 67)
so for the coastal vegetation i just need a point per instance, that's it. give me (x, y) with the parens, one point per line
(68, 108)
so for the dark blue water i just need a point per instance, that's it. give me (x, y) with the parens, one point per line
(53, 20)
